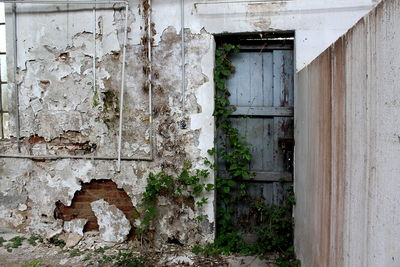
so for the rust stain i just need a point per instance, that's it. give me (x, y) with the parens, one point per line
(326, 82)
(338, 149)
(320, 116)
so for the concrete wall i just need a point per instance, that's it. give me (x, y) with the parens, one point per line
(348, 148)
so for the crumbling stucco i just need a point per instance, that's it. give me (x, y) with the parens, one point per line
(113, 225)
(75, 226)
(72, 239)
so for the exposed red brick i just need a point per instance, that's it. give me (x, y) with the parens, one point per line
(84, 198)
(67, 211)
(36, 139)
(95, 190)
(123, 194)
(94, 185)
(69, 217)
(112, 194)
(91, 225)
(124, 208)
(85, 213)
(109, 187)
(79, 205)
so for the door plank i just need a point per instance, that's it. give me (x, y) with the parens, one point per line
(283, 78)
(263, 176)
(268, 81)
(255, 79)
(255, 132)
(263, 111)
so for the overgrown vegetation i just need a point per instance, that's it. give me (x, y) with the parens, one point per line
(57, 242)
(275, 233)
(235, 152)
(186, 187)
(123, 259)
(34, 263)
(95, 98)
(14, 242)
(17, 241)
(96, 257)
(33, 239)
(74, 253)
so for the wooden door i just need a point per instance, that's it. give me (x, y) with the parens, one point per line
(262, 91)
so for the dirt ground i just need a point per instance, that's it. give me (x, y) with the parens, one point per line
(28, 251)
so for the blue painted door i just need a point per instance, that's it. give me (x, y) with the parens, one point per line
(262, 91)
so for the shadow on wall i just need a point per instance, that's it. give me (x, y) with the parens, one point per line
(97, 189)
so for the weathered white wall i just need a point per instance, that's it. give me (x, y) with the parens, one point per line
(348, 148)
(317, 23)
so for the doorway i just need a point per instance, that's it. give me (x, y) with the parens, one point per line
(262, 91)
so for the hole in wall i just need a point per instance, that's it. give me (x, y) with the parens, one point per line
(96, 189)
(63, 56)
(173, 240)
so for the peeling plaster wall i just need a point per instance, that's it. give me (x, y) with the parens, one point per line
(348, 148)
(61, 114)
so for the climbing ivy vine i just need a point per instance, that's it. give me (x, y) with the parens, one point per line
(235, 152)
(276, 231)
(188, 185)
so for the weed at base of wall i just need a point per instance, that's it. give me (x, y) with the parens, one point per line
(185, 188)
